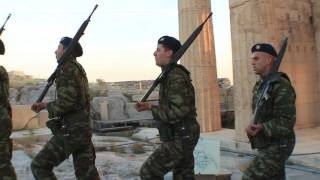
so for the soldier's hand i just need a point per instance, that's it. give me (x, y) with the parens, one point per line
(142, 106)
(256, 128)
(253, 129)
(249, 130)
(37, 107)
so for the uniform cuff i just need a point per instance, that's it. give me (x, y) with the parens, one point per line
(50, 108)
(154, 110)
(266, 129)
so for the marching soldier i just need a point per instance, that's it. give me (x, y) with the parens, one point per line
(273, 132)
(6, 168)
(70, 122)
(176, 116)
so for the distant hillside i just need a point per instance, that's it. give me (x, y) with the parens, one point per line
(18, 80)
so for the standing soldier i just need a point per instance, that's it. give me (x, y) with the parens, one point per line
(6, 168)
(176, 116)
(273, 132)
(70, 122)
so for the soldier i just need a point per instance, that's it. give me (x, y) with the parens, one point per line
(6, 168)
(176, 116)
(273, 132)
(70, 122)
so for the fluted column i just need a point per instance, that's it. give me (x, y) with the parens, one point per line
(267, 21)
(316, 25)
(201, 61)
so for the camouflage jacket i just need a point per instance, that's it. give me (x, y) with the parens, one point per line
(72, 100)
(5, 109)
(278, 115)
(176, 104)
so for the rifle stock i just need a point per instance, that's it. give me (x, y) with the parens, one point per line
(66, 54)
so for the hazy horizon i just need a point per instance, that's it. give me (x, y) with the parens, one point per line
(91, 81)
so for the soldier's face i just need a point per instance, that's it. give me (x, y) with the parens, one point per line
(59, 51)
(162, 55)
(261, 63)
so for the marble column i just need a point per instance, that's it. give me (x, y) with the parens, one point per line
(316, 24)
(201, 61)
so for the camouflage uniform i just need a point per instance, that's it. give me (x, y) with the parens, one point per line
(6, 170)
(278, 117)
(178, 128)
(72, 133)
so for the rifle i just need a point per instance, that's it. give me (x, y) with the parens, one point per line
(176, 56)
(2, 48)
(5, 22)
(264, 95)
(66, 54)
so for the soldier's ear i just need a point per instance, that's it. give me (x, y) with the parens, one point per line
(270, 59)
(169, 53)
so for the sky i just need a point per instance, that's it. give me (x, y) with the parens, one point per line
(118, 42)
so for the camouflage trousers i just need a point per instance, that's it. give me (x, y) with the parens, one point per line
(56, 151)
(172, 155)
(6, 169)
(269, 164)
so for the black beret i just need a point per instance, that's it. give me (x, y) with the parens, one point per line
(2, 49)
(263, 47)
(170, 42)
(77, 52)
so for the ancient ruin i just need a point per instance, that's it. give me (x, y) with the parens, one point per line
(201, 61)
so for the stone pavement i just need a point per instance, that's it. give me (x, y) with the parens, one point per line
(301, 165)
(109, 163)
